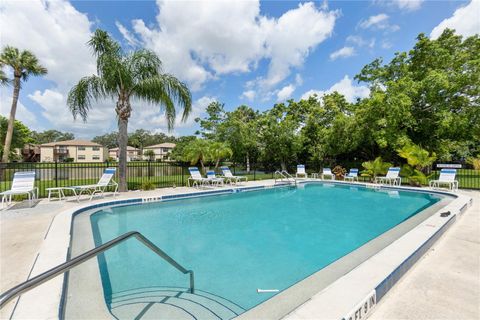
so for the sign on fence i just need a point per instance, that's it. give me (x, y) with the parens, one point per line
(449, 165)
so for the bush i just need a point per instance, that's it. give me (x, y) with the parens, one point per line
(147, 185)
(475, 162)
(339, 172)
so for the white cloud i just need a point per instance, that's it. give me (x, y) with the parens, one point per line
(23, 114)
(285, 92)
(344, 52)
(465, 20)
(127, 35)
(249, 95)
(54, 31)
(231, 37)
(409, 5)
(379, 22)
(345, 87)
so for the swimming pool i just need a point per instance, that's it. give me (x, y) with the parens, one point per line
(242, 242)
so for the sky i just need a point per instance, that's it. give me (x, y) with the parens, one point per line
(256, 53)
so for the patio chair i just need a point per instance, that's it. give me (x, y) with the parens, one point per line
(301, 171)
(106, 181)
(327, 172)
(196, 178)
(447, 177)
(214, 180)
(23, 183)
(352, 175)
(229, 177)
(392, 177)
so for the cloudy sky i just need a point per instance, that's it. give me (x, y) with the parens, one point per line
(237, 52)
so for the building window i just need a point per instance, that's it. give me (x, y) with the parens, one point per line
(81, 157)
(165, 150)
(81, 148)
(95, 157)
(96, 148)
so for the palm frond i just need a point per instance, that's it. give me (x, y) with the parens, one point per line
(81, 95)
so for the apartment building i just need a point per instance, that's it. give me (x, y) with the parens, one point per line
(162, 151)
(133, 154)
(73, 150)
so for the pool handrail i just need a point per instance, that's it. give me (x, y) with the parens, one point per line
(64, 267)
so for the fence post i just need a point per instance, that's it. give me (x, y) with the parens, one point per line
(56, 174)
(234, 168)
(254, 172)
(183, 174)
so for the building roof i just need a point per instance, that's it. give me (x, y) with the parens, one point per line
(162, 145)
(83, 143)
(129, 148)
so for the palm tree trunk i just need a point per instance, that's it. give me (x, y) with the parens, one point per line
(123, 111)
(248, 162)
(11, 120)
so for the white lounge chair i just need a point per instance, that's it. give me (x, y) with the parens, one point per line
(92, 189)
(327, 172)
(392, 178)
(196, 178)
(23, 183)
(214, 180)
(352, 175)
(229, 177)
(447, 177)
(301, 171)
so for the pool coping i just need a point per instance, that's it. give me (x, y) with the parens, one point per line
(46, 300)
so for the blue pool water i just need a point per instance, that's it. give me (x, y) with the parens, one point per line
(236, 243)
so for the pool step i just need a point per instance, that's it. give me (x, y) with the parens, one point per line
(172, 303)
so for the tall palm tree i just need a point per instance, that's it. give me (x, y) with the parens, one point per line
(197, 151)
(218, 151)
(24, 64)
(122, 76)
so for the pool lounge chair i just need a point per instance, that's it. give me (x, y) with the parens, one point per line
(229, 177)
(196, 178)
(92, 189)
(446, 178)
(327, 172)
(23, 183)
(301, 173)
(352, 175)
(214, 180)
(392, 177)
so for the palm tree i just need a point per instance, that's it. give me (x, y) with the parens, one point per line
(24, 64)
(197, 151)
(121, 76)
(375, 167)
(218, 151)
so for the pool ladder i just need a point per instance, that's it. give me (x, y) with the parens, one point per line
(64, 267)
(283, 175)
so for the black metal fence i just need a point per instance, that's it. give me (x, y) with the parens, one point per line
(148, 174)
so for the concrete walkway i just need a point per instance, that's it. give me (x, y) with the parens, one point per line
(445, 283)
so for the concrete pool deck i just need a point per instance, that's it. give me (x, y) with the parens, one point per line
(22, 232)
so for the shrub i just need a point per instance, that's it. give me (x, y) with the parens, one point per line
(475, 162)
(375, 167)
(339, 172)
(147, 185)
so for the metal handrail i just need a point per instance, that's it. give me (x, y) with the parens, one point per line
(284, 174)
(64, 267)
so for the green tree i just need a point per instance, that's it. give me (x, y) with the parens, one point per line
(209, 125)
(109, 140)
(239, 130)
(217, 151)
(51, 136)
(150, 154)
(280, 142)
(21, 136)
(179, 150)
(122, 76)
(417, 157)
(429, 96)
(24, 64)
(197, 151)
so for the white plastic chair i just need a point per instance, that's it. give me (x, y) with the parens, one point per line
(23, 183)
(301, 171)
(392, 177)
(229, 177)
(447, 177)
(327, 172)
(352, 175)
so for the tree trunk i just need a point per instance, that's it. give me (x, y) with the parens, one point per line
(123, 111)
(283, 165)
(11, 120)
(248, 163)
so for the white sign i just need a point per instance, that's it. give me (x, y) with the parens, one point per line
(449, 165)
(363, 309)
